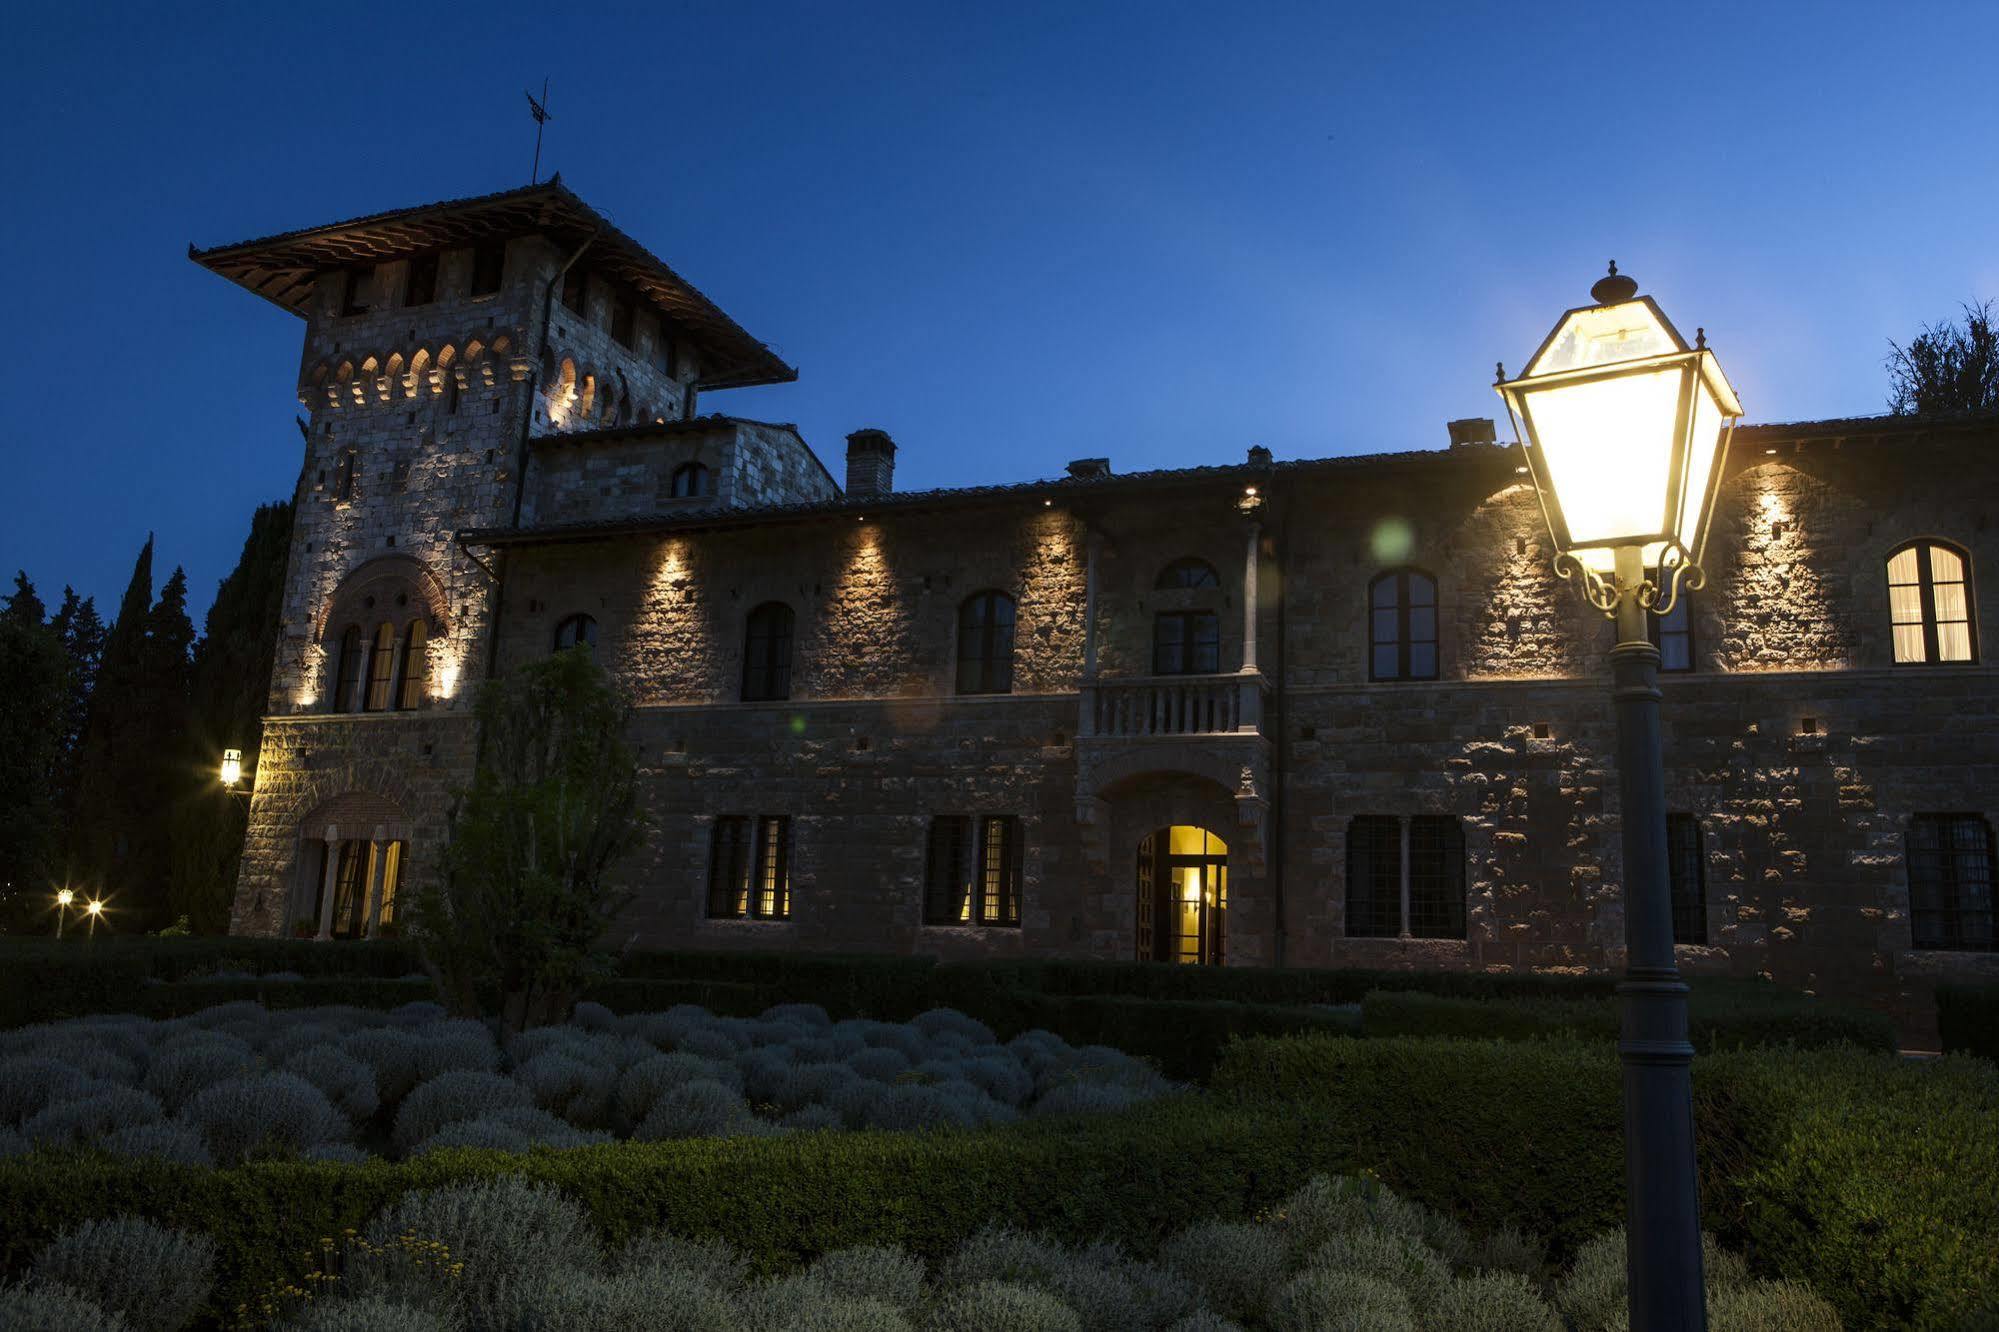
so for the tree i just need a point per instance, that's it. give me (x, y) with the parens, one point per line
(520, 910)
(34, 681)
(76, 623)
(229, 690)
(1948, 368)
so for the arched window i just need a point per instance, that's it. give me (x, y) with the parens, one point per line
(691, 479)
(574, 631)
(985, 644)
(1402, 626)
(381, 668)
(1929, 604)
(347, 674)
(767, 654)
(1188, 572)
(415, 638)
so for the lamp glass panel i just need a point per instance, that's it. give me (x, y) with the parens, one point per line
(1605, 335)
(1701, 447)
(1607, 445)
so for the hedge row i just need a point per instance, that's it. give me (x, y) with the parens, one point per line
(1139, 1175)
(1867, 1176)
(43, 979)
(1968, 1018)
(1722, 1015)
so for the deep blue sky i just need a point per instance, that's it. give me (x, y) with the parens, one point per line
(1009, 234)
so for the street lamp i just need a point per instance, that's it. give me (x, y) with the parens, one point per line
(232, 768)
(63, 899)
(94, 909)
(1625, 429)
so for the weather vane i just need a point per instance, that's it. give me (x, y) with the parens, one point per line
(539, 110)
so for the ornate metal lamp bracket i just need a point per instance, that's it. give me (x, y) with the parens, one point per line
(1659, 595)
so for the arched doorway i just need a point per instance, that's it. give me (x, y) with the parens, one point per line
(1183, 896)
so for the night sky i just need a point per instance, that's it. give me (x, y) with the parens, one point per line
(1010, 235)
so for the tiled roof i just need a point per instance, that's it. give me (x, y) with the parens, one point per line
(1063, 489)
(281, 268)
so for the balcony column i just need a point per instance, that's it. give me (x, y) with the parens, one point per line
(1086, 723)
(1249, 699)
(328, 881)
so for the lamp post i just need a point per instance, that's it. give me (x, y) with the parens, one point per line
(63, 899)
(1625, 428)
(93, 909)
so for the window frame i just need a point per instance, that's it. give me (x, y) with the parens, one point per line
(412, 650)
(581, 629)
(1402, 581)
(384, 653)
(1686, 877)
(1657, 634)
(1925, 548)
(701, 477)
(767, 674)
(1422, 902)
(1946, 893)
(1188, 642)
(349, 671)
(987, 620)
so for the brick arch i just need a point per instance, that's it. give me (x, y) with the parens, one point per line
(383, 579)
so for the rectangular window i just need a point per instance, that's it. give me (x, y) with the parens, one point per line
(1673, 634)
(729, 867)
(770, 893)
(1186, 643)
(1436, 877)
(947, 883)
(1687, 870)
(421, 286)
(489, 268)
(1950, 882)
(357, 291)
(572, 291)
(1405, 877)
(999, 870)
(1374, 877)
(622, 314)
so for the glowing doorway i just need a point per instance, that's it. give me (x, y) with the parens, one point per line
(1183, 896)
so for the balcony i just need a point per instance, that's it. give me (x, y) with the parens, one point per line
(1173, 705)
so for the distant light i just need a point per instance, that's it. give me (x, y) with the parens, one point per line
(1769, 450)
(232, 767)
(65, 897)
(1249, 490)
(1048, 504)
(96, 907)
(1520, 471)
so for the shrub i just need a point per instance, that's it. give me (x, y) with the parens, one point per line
(1000, 1306)
(365, 1315)
(99, 1111)
(1509, 1249)
(1769, 1306)
(1409, 1265)
(508, 1235)
(650, 1298)
(576, 1089)
(178, 1074)
(392, 1055)
(1492, 1302)
(153, 1277)
(262, 1114)
(872, 1272)
(467, 1049)
(1968, 1018)
(699, 1109)
(1236, 1268)
(29, 1082)
(641, 1085)
(1329, 1207)
(1201, 1320)
(712, 1261)
(342, 1153)
(451, 1097)
(808, 1015)
(1111, 1293)
(162, 1142)
(346, 1081)
(879, 1063)
(1326, 1300)
(46, 1306)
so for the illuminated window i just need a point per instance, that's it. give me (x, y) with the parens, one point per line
(1950, 882)
(1929, 604)
(692, 479)
(968, 881)
(489, 267)
(1688, 871)
(347, 674)
(749, 867)
(1405, 877)
(381, 668)
(1402, 626)
(420, 288)
(1673, 634)
(767, 654)
(577, 630)
(1188, 572)
(414, 665)
(1186, 643)
(985, 644)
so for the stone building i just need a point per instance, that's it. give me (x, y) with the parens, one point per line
(1326, 712)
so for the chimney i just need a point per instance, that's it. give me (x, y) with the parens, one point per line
(1471, 430)
(1089, 469)
(870, 463)
(1259, 456)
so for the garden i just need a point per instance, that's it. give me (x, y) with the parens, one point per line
(262, 1133)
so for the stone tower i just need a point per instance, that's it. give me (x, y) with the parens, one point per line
(440, 342)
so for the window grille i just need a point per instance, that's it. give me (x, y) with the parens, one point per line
(1405, 877)
(1436, 877)
(999, 870)
(1687, 866)
(1950, 860)
(1374, 877)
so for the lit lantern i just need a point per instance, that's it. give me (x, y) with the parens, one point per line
(232, 767)
(64, 897)
(1626, 428)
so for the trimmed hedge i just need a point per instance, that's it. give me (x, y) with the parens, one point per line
(1867, 1176)
(1141, 1175)
(1722, 1015)
(45, 979)
(1968, 1018)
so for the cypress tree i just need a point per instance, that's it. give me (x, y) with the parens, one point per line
(34, 680)
(229, 694)
(81, 631)
(24, 606)
(111, 800)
